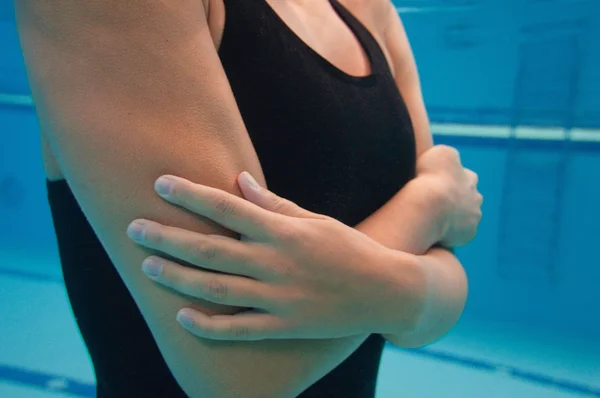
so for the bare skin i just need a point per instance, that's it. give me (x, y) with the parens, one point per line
(336, 43)
(118, 179)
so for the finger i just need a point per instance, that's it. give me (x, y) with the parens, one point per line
(223, 289)
(245, 326)
(231, 211)
(217, 253)
(268, 200)
(446, 153)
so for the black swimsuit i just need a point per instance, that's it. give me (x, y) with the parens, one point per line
(333, 143)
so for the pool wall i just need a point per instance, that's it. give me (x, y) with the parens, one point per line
(490, 71)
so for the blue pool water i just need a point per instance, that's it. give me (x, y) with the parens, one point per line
(515, 86)
(532, 322)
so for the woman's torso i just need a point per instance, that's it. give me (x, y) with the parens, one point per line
(331, 141)
(354, 62)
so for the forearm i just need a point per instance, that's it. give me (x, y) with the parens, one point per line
(412, 221)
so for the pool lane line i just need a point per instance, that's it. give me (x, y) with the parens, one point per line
(40, 380)
(30, 275)
(46, 381)
(520, 132)
(509, 371)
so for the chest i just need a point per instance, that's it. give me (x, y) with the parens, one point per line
(320, 28)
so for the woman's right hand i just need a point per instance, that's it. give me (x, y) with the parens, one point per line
(441, 169)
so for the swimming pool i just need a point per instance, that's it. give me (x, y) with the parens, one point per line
(530, 329)
(519, 114)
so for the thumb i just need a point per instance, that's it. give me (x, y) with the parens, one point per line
(266, 199)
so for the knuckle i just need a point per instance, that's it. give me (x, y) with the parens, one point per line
(200, 251)
(471, 236)
(215, 289)
(473, 175)
(239, 333)
(224, 207)
(450, 153)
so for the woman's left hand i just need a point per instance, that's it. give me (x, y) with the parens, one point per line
(301, 274)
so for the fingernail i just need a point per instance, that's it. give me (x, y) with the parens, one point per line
(164, 186)
(152, 267)
(185, 318)
(136, 230)
(251, 181)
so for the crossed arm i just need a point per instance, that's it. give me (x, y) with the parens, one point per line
(109, 82)
(302, 274)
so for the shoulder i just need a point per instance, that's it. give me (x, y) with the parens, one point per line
(373, 13)
(215, 14)
(378, 16)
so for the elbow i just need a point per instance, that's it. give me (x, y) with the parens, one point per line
(228, 369)
(442, 299)
(227, 386)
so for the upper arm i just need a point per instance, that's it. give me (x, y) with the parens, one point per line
(407, 77)
(127, 91)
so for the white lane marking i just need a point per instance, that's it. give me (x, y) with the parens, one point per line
(57, 384)
(19, 100)
(519, 132)
(446, 129)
